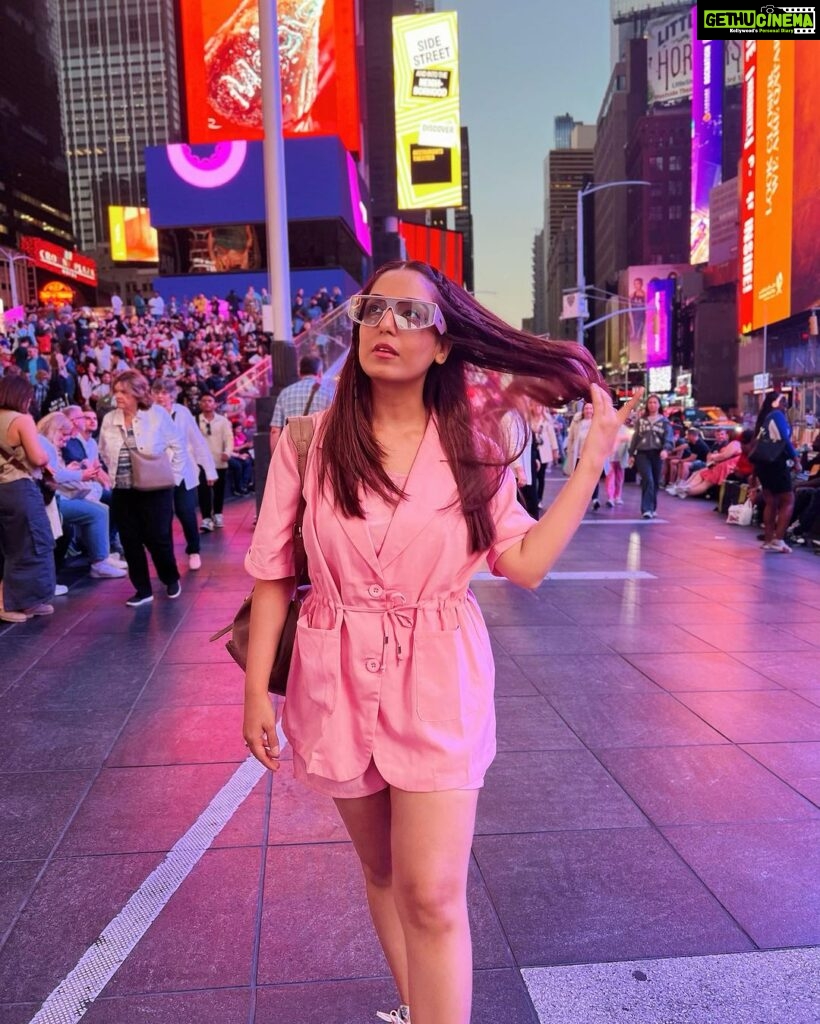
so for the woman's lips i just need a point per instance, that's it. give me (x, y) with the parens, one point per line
(385, 351)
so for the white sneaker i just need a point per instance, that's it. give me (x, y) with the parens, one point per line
(219, 520)
(60, 590)
(400, 1016)
(106, 571)
(208, 525)
(194, 562)
(117, 560)
(671, 489)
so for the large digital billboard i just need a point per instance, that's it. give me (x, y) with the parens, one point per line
(669, 42)
(660, 294)
(428, 119)
(133, 240)
(707, 138)
(223, 73)
(646, 295)
(767, 181)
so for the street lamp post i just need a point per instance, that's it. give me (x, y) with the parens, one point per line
(580, 275)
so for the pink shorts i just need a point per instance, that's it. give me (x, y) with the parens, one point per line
(369, 782)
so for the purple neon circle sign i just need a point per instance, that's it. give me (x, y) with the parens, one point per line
(212, 171)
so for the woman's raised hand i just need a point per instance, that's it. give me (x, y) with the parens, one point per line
(606, 422)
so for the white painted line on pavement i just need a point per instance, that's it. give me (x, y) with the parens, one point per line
(592, 574)
(622, 522)
(72, 998)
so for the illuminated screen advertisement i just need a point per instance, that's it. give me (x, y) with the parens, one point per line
(428, 124)
(768, 180)
(707, 138)
(223, 78)
(669, 59)
(212, 249)
(64, 262)
(646, 294)
(133, 240)
(659, 296)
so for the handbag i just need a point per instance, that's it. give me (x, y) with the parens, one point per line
(765, 450)
(301, 431)
(150, 472)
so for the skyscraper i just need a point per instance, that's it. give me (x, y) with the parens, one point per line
(33, 176)
(118, 94)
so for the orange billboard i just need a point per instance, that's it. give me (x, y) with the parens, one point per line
(223, 76)
(767, 183)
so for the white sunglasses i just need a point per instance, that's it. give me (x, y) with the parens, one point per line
(409, 314)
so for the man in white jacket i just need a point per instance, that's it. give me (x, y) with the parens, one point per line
(198, 455)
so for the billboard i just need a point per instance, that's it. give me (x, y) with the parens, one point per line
(707, 139)
(63, 262)
(439, 247)
(133, 240)
(767, 182)
(669, 43)
(660, 293)
(212, 249)
(428, 122)
(222, 69)
(223, 184)
(646, 294)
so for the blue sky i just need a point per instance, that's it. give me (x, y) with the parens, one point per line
(522, 63)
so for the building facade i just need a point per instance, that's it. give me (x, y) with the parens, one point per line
(118, 94)
(34, 193)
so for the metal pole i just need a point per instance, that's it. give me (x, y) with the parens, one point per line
(579, 265)
(273, 150)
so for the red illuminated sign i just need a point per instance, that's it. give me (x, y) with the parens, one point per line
(61, 261)
(223, 78)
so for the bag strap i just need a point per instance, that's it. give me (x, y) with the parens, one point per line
(301, 432)
(311, 396)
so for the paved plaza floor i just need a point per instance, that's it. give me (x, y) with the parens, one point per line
(648, 839)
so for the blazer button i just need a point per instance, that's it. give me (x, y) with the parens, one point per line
(375, 590)
(371, 665)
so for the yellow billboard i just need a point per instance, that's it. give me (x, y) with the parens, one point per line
(133, 240)
(428, 123)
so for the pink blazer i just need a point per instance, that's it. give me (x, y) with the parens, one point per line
(392, 658)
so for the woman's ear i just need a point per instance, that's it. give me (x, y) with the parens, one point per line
(443, 351)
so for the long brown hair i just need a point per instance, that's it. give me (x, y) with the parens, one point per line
(549, 372)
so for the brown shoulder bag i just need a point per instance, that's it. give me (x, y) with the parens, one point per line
(301, 430)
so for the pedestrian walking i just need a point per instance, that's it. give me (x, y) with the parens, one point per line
(197, 456)
(390, 696)
(650, 446)
(138, 433)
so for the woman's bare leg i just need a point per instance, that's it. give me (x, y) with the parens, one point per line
(768, 517)
(432, 834)
(784, 506)
(367, 820)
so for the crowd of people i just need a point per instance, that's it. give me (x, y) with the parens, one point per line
(90, 396)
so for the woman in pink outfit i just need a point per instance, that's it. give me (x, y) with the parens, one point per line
(618, 462)
(390, 696)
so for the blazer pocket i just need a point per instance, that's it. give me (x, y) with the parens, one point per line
(320, 654)
(438, 662)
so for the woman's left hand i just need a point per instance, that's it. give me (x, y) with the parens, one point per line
(606, 422)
